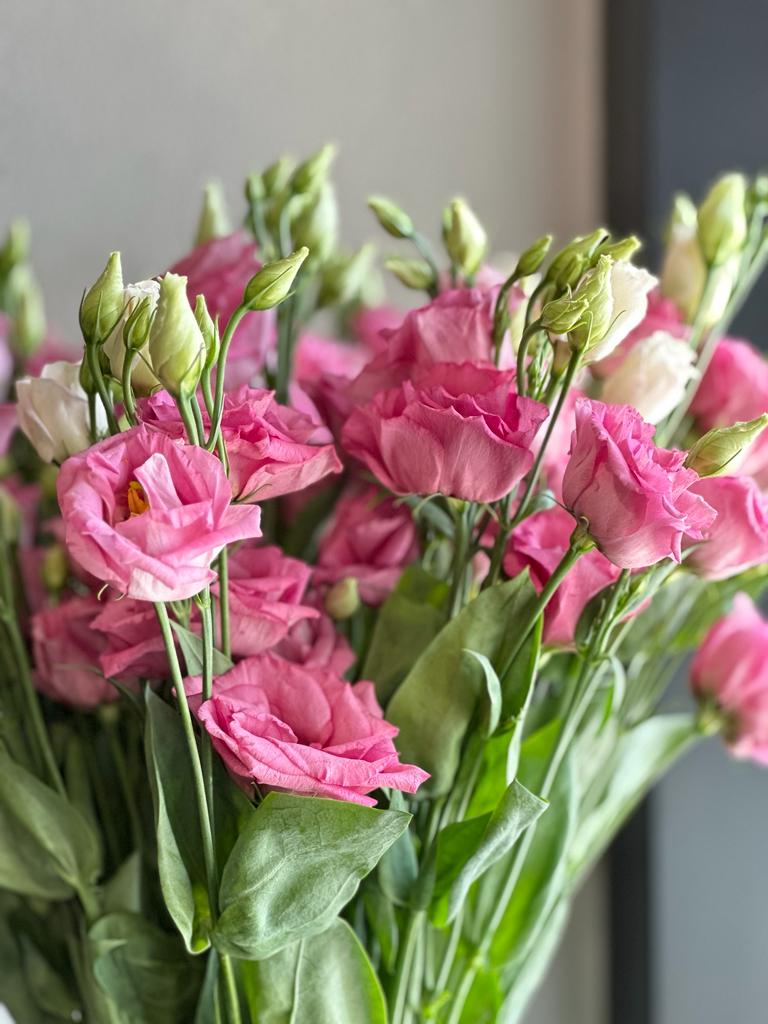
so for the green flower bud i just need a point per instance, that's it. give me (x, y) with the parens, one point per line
(713, 454)
(10, 517)
(395, 221)
(414, 274)
(176, 344)
(465, 238)
(723, 220)
(255, 191)
(343, 279)
(573, 259)
(209, 331)
(276, 177)
(15, 248)
(138, 324)
(343, 599)
(55, 568)
(560, 316)
(623, 249)
(595, 290)
(312, 174)
(533, 257)
(103, 303)
(316, 227)
(683, 216)
(270, 285)
(214, 219)
(28, 315)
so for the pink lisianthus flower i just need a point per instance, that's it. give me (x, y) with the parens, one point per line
(322, 370)
(557, 452)
(133, 645)
(369, 538)
(220, 269)
(266, 591)
(730, 669)
(273, 450)
(458, 429)
(317, 643)
(303, 730)
(368, 323)
(538, 544)
(148, 514)
(456, 327)
(635, 497)
(735, 388)
(66, 650)
(662, 315)
(738, 538)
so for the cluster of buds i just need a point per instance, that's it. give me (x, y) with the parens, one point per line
(20, 296)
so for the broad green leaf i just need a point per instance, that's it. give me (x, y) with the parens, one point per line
(15, 991)
(47, 848)
(456, 844)
(50, 991)
(192, 648)
(408, 620)
(297, 862)
(435, 703)
(517, 810)
(492, 690)
(398, 869)
(381, 916)
(642, 755)
(123, 890)
(322, 979)
(144, 970)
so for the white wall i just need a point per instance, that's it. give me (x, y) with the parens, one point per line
(114, 114)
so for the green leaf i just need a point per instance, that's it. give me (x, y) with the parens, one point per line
(47, 848)
(50, 992)
(123, 890)
(526, 976)
(15, 990)
(517, 810)
(322, 979)
(298, 861)
(642, 755)
(408, 620)
(443, 686)
(192, 648)
(398, 869)
(177, 826)
(144, 970)
(493, 692)
(381, 916)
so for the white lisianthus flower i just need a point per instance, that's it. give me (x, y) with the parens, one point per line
(53, 412)
(653, 377)
(627, 293)
(143, 379)
(684, 275)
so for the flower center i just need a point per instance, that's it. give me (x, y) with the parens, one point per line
(137, 500)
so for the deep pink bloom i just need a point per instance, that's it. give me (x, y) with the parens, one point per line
(272, 449)
(731, 669)
(734, 388)
(266, 597)
(369, 538)
(220, 269)
(148, 514)
(662, 315)
(317, 643)
(456, 327)
(558, 449)
(322, 369)
(66, 650)
(635, 497)
(303, 730)
(738, 538)
(133, 644)
(456, 429)
(369, 321)
(539, 543)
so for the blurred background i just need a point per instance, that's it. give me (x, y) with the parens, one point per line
(549, 115)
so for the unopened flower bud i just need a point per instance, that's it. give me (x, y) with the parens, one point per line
(312, 174)
(15, 248)
(214, 219)
(55, 568)
(465, 238)
(395, 221)
(255, 190)
(103, 303)
(573, 259)
(560, 316)
(723, 220)
(412, 273)
(270, 285)
(208, 329)
(137, 326)
(316, 227)
(533, 257)
(595, 290)
(277, 176)
(343, 599)
(176, 344)
(28, 320)
(343, 278)
(623, 249)
(716, 452)
(132, 331)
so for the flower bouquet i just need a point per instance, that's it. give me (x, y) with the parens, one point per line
(331, 663)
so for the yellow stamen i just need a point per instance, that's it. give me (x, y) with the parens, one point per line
(137, 501)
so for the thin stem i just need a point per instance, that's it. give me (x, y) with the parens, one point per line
(522, 351)
(224, 639)
(207, 748)
(231, 997)
(460, 550)
(92, 358)
(221, 366)
(533, 476)
(285, 341)
(128, 401)
(198, 780)
(121, 766)
(501, 316)
(185, 408)
(425, 251)
(402, 980)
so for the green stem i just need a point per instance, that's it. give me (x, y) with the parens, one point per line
(121, 767)
(231, 997)
(207, 748)
(128, 401)
(533, 476)
(285, 342)
(224, 639)
(221, 366)
(405, 958)
(460, 550)
(425, 251)
(522, 351)
(501, 316)
(92, 357)
(198, 779)
(185, 408)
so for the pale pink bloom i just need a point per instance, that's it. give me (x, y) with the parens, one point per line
(148, 514)
(635, 497)
(66, 650)
(303, 730)
(738, 538)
